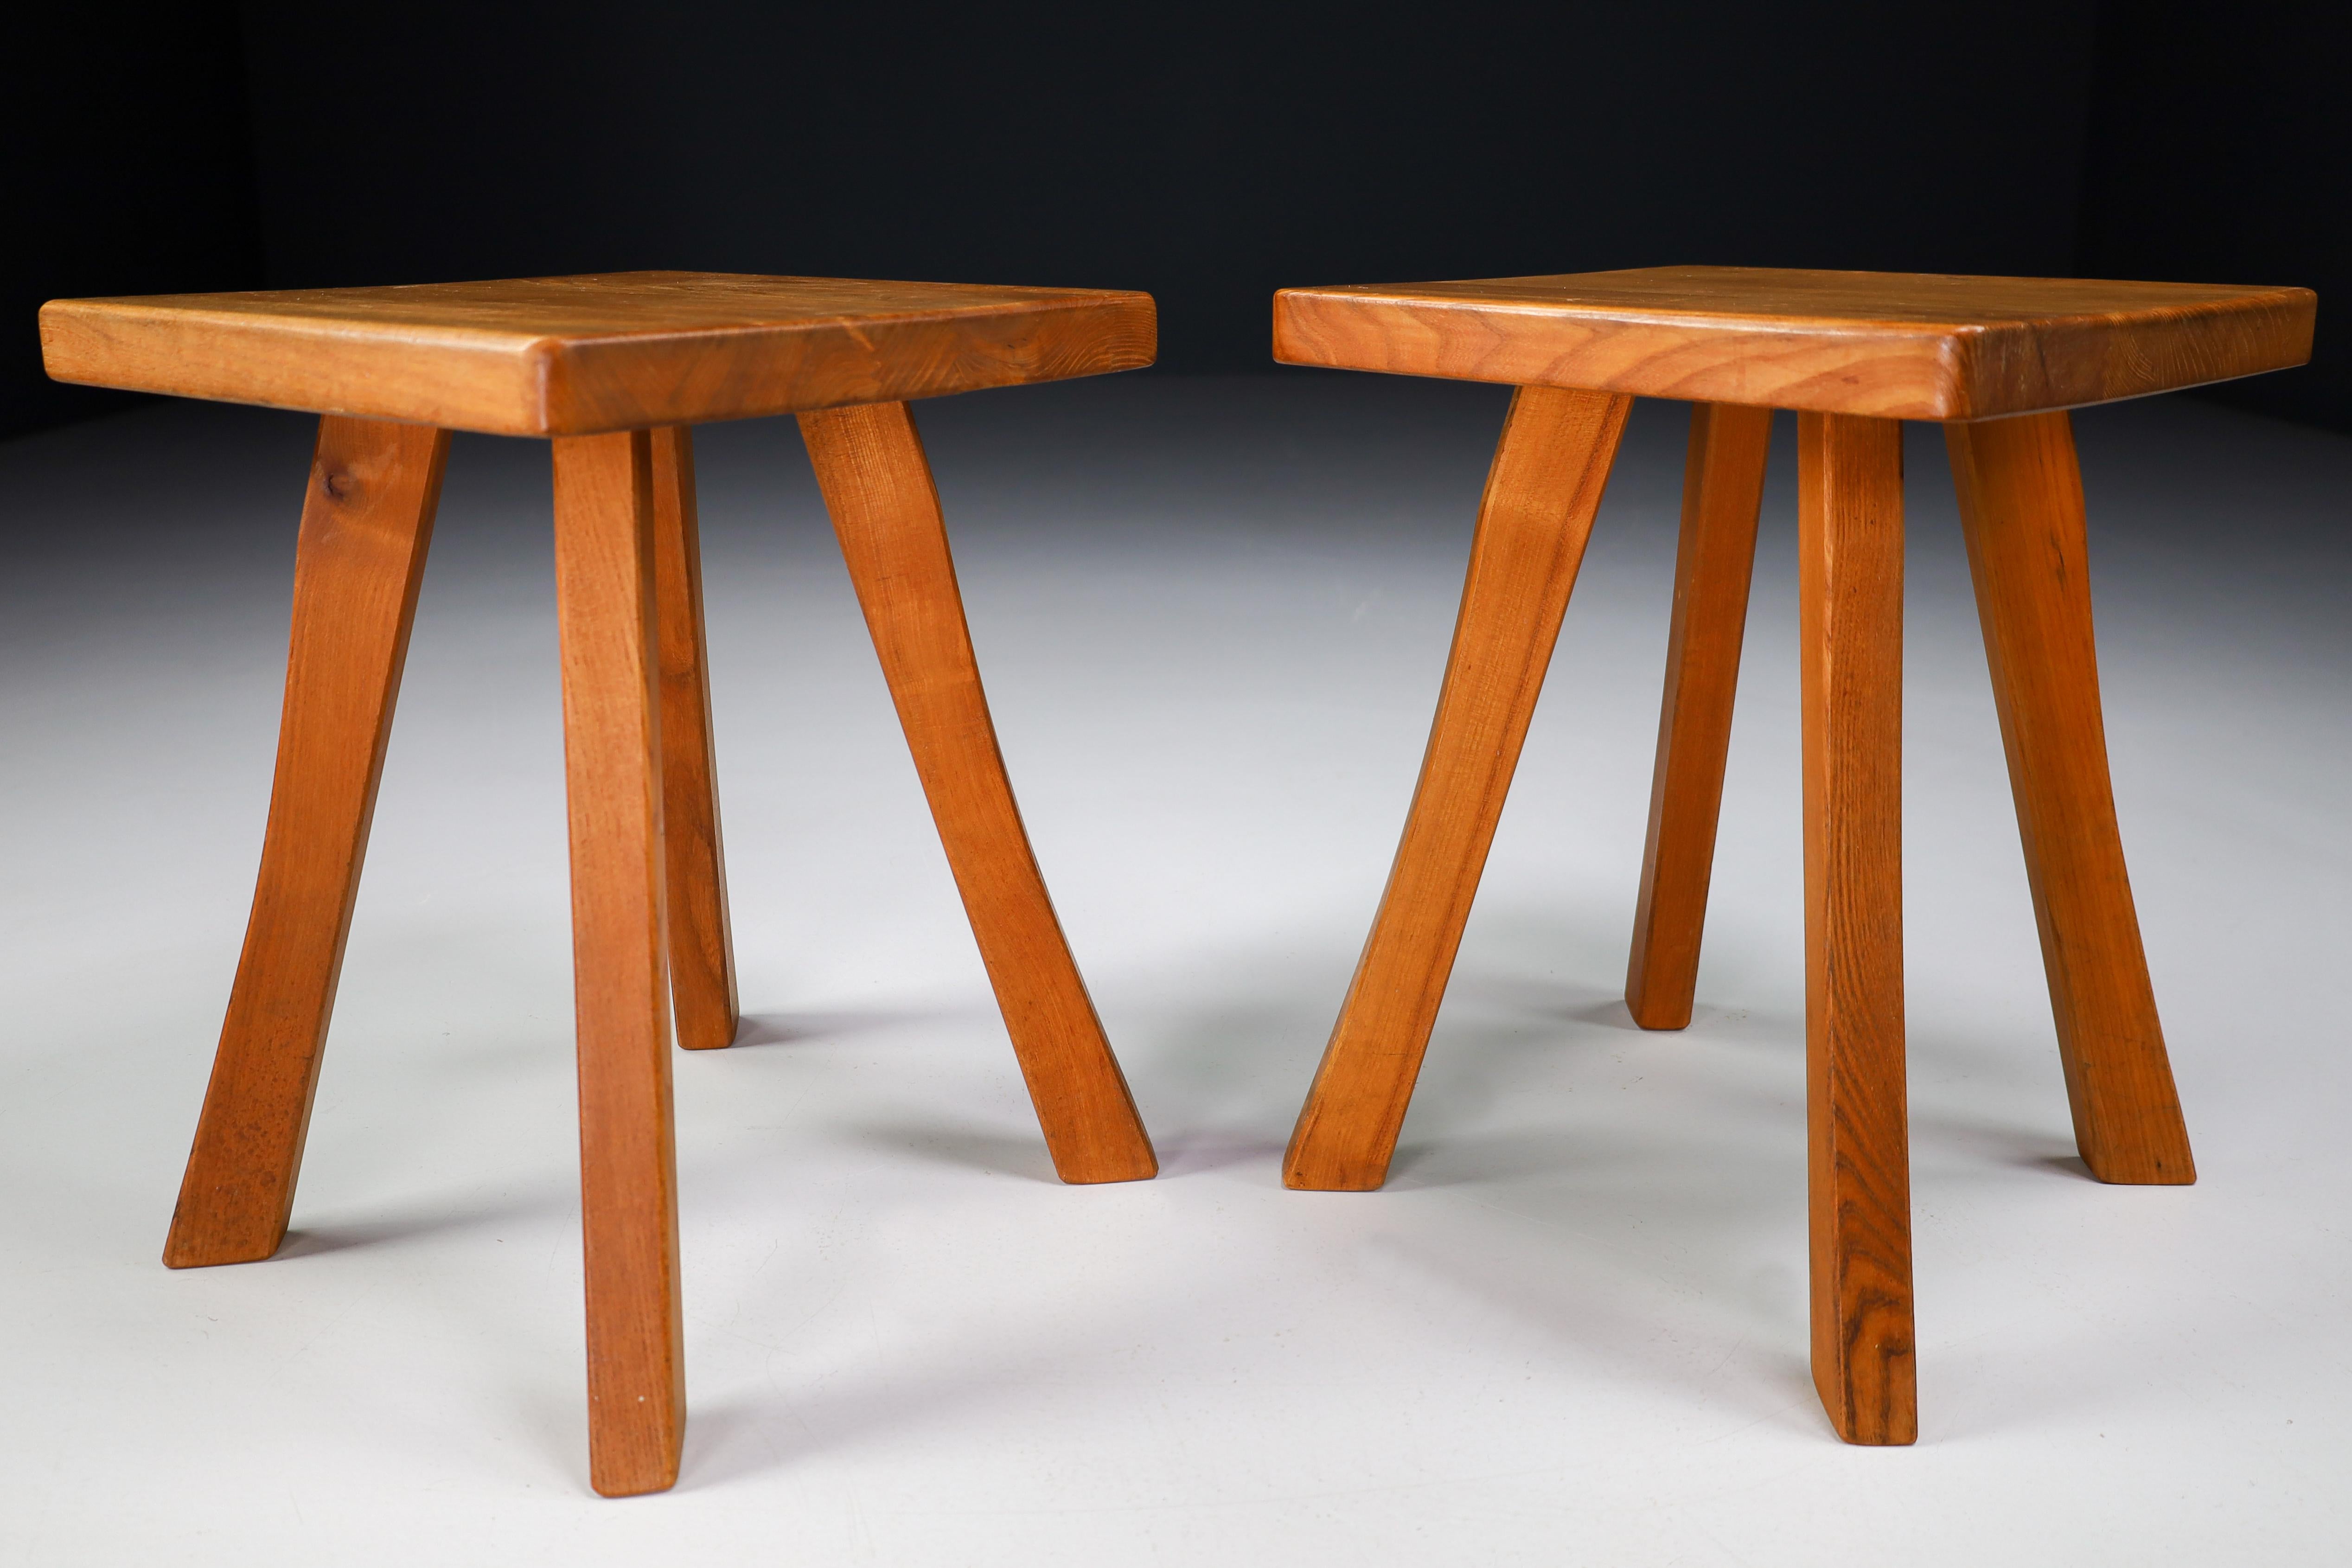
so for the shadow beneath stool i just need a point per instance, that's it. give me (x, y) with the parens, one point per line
(990, 1154)
(795, 1028)
(1612, 1015)
(726, 1441)
(1986, 1140)
(2064, 1164)
(848, 1388)
(865, 1410)
(319, 1240)
(1197, 1153)
(1549, 1000)
(1494, 1157)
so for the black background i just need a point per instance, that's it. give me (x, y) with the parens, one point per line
(1209, 152)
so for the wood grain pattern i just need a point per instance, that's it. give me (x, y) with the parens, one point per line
(877, 485)
(2022, 511)
(1894, 345)
(1849, 587)
(701, 946)
(624, 351)
(605, 587)
(1546, 484)
(1723, 494)
(367, 518)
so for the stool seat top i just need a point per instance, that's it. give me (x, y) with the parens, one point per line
(614, 350)
(1896, 345)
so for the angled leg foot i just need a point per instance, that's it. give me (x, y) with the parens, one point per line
(869, 463)
(2021, 508)
(1723, 490)
(1546, 484)
(1850, 585)
(365, 526)
(701, 950)
(605, 591)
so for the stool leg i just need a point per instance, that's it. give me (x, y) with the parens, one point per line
(366, 523)
(1723, 491)
(2021, 508)
(701, 950)
(869, 463)
(604, 590)
(1850, 587)
(1545, 486)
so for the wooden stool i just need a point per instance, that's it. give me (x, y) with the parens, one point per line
(613, 368)
(1996, 360)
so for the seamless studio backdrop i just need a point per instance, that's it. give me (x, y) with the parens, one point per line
(1208, 153)
(1211, 601)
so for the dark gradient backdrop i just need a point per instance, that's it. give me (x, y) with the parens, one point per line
(1208, 153)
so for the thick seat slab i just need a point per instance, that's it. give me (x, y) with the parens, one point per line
(619, 350)
(1897, 345)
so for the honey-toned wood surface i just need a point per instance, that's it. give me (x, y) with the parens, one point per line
(553, 357)
(1550, 470)
(2022, 513)
(1850, 593)
(604, 590)
(877, 486)
(701, 946)
(1891, 345)
(367, 518)
(1723, 494)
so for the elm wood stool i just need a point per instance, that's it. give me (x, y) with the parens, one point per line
(1997, 361)
(613, 368)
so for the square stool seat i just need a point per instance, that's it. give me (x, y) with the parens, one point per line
(581, 356)
(1893, 345)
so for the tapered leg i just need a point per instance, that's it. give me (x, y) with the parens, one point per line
(1723, 490)
(2022, 509)
(606, 592)
(701, 952)
(1850, 587)
(366, 522)
(1541, 494)
(870, 464)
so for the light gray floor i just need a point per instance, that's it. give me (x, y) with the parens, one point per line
(1212, 616)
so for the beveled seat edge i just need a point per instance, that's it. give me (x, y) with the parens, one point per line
(1886, 370)
(514, 385)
